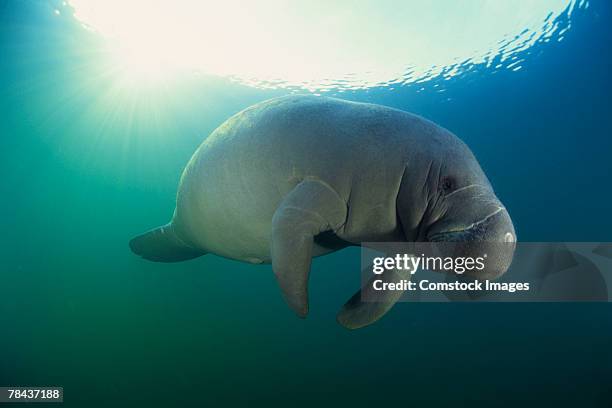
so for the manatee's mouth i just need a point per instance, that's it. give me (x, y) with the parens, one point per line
(470, 234)
(478, 231)
(492, 237)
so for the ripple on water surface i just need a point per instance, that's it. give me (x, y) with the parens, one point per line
(322, 46)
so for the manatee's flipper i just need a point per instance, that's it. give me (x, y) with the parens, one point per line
(310, 208)
(163, 245)
(368, 305)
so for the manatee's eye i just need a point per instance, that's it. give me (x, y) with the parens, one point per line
(448, 184)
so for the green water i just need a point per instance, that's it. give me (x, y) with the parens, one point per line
(86, 164)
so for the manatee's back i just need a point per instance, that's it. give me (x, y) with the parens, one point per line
(238, 176)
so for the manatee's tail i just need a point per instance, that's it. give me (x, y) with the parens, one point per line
(163, 245)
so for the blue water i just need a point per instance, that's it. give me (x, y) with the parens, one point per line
(84, 167)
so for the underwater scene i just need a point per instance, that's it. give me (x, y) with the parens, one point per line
(104, 103)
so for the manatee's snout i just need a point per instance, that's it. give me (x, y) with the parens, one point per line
(496, 227)
(490, 236)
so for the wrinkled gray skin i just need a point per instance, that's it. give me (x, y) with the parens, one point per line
(301, 176)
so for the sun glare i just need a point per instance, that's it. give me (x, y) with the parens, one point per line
(318, 44)
(141, 62)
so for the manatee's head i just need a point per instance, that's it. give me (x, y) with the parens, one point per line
(462, 208)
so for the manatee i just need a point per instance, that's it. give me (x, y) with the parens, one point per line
(302, 176)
